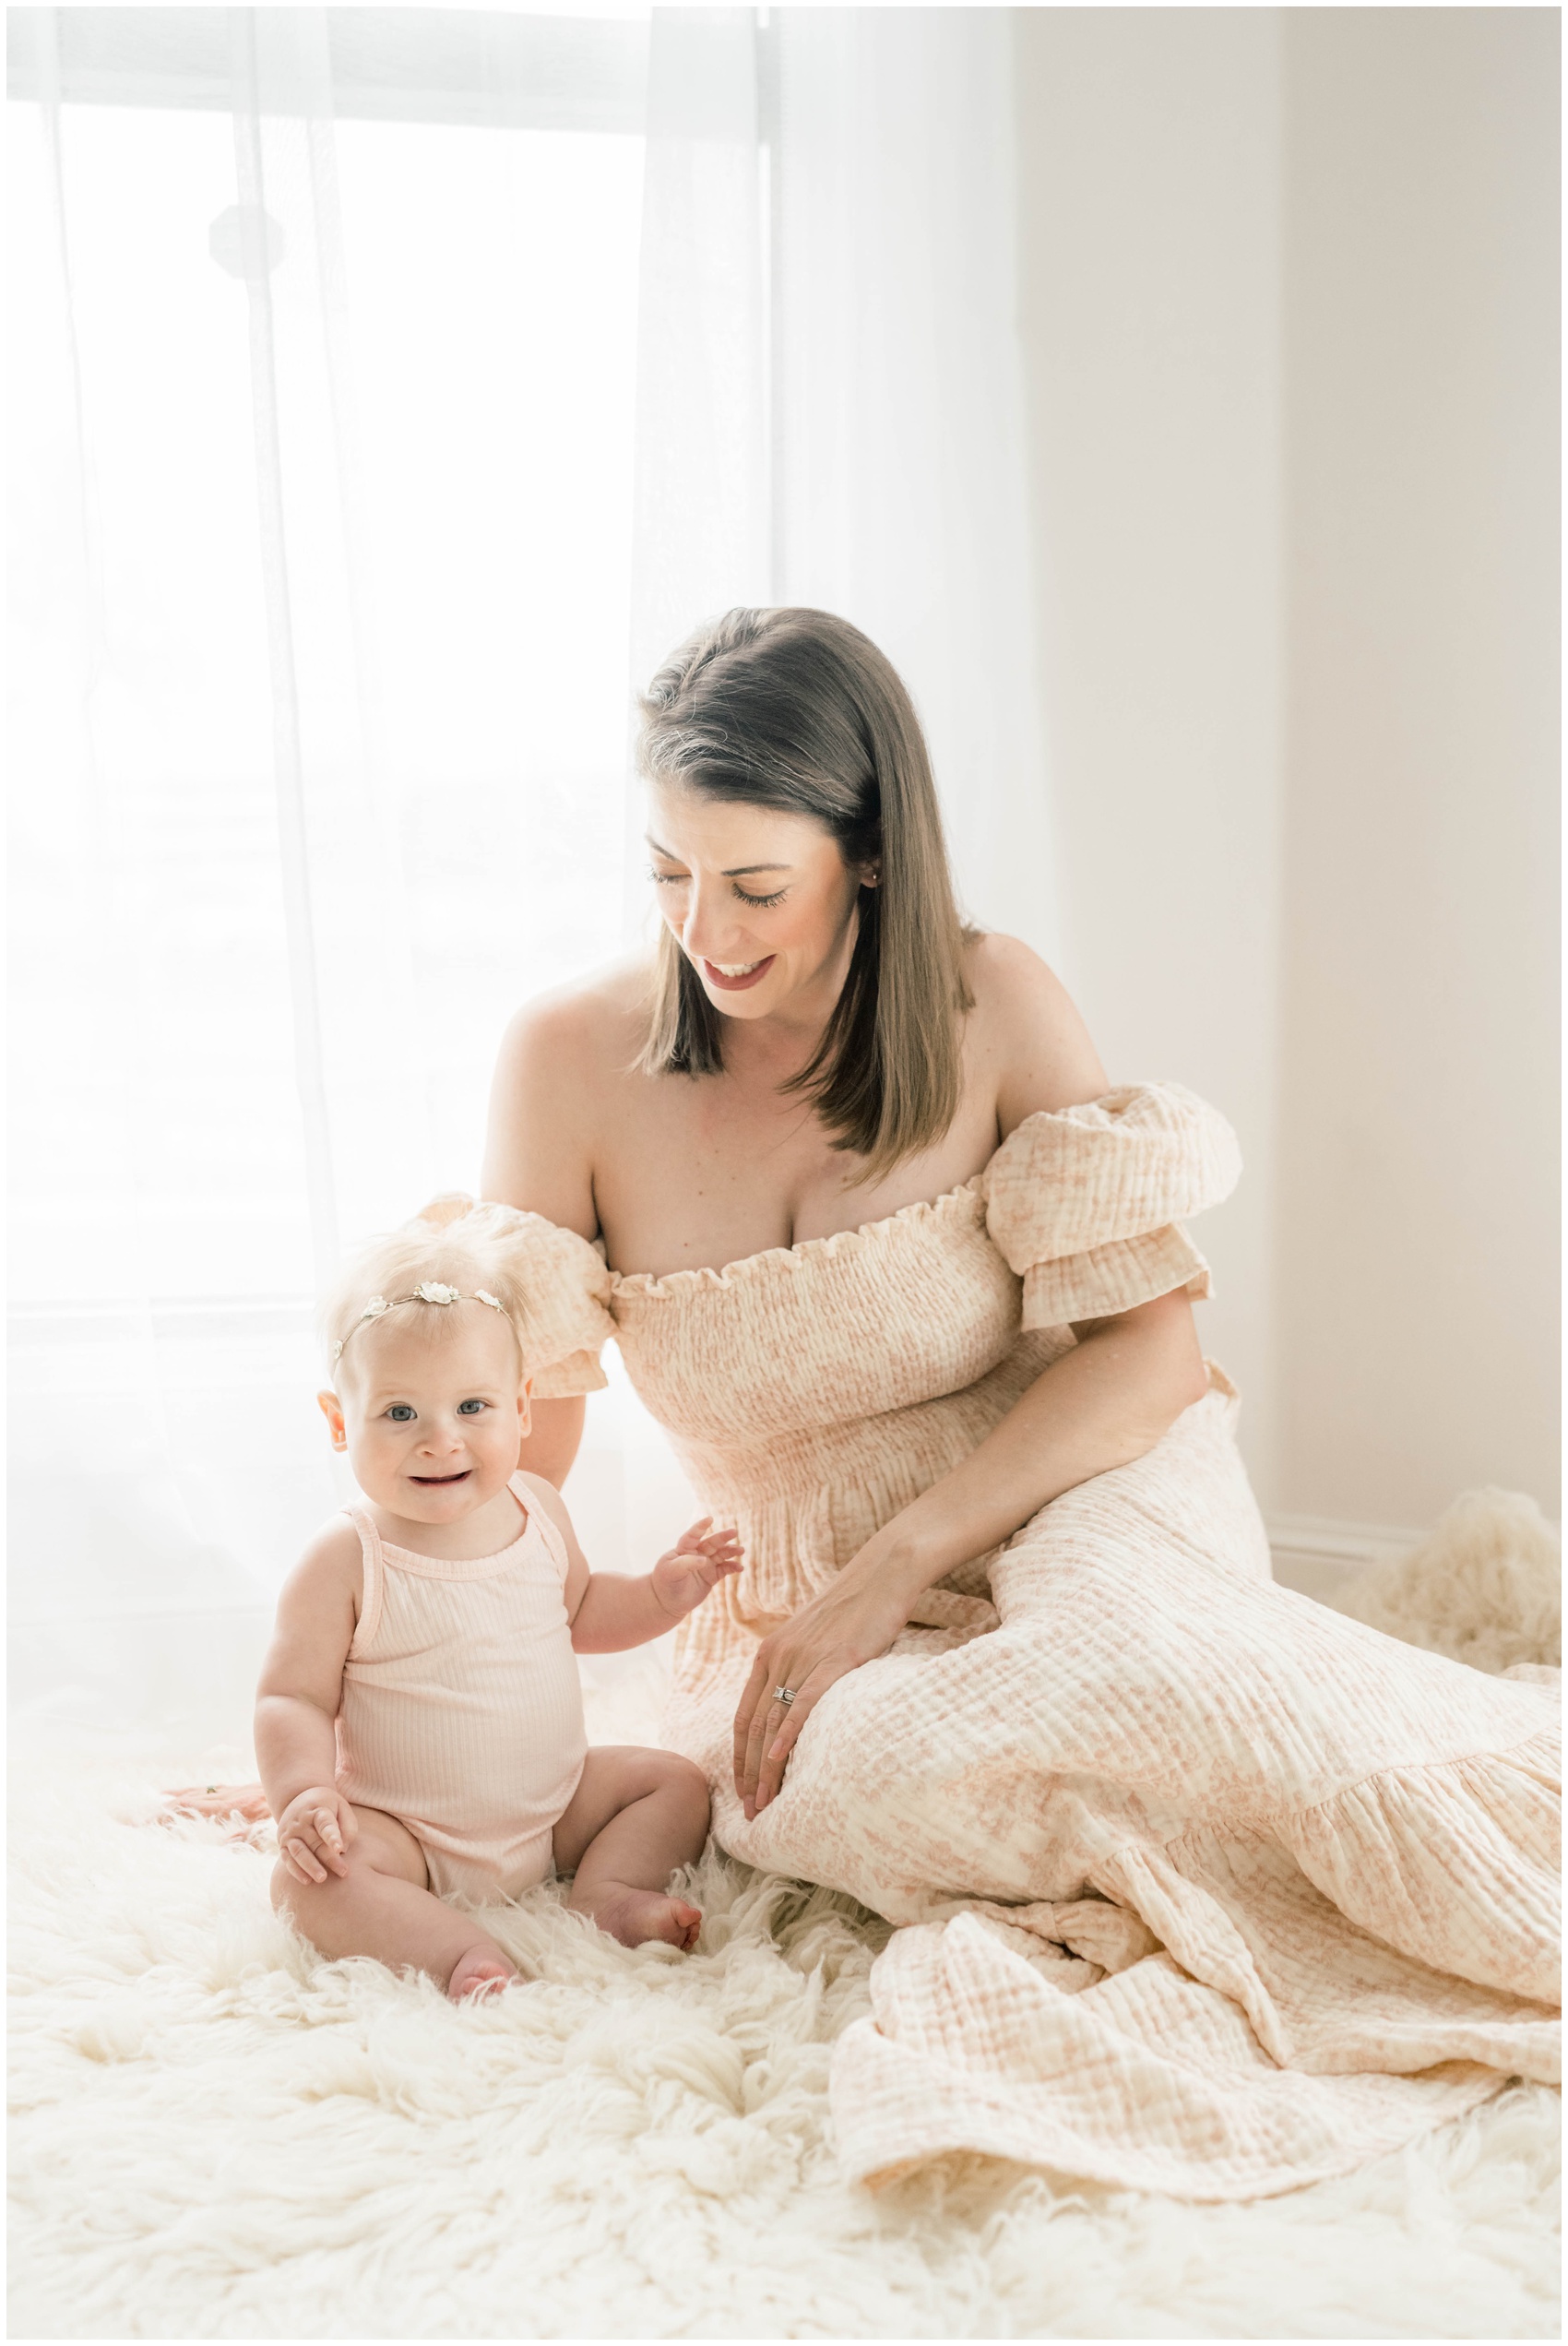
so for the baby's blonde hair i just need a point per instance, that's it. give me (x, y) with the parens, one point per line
(453, 1242)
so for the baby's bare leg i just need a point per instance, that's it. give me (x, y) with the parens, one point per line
(635, 1817)
(381, 1907)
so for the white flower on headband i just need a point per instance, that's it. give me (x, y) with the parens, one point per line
(429, 1291)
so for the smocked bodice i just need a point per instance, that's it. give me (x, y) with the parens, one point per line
(812, 1391)
(823, 1334)
(1113, 1782)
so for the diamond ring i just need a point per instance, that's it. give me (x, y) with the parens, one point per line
(786, 1695)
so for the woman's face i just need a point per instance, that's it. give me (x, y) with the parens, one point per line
(761, 902)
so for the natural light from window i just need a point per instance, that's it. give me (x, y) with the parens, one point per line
(489, 331)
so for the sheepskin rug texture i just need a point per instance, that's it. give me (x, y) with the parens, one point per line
(219, 2136)
(1486, 1588)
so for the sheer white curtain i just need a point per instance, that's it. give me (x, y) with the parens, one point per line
(391, 389)
(830, 397)
(902, 489)
(323, 584)
(702, 468)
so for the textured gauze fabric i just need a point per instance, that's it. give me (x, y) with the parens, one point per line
(1205, 1889)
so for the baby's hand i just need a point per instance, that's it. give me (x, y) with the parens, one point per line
(699, 1558)
(314, 1831)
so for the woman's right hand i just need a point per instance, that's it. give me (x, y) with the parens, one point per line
(314, 1831)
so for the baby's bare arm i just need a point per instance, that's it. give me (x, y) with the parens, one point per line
(301, 1690)
(618, 1611)
(613, 1610)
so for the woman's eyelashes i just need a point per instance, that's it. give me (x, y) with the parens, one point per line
(683, 879)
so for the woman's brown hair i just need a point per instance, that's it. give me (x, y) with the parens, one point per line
(797, 710)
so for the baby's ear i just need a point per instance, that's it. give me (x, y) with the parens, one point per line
(331, 1409)
(524, 1406)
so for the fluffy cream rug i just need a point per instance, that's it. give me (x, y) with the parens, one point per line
(219, 2136)
(1485, 1587)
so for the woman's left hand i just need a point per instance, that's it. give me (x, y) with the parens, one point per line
(850, 1622)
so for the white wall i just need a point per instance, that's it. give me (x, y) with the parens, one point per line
(1288, 285)
(1149, 162)
(1417, 1273)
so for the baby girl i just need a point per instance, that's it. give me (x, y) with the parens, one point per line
(419, 1721)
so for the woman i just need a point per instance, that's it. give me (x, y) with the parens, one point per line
(1211, 1890)
(1207, 1889)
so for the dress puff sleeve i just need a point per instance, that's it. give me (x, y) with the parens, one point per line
(563, 1288)
(1086, 1203)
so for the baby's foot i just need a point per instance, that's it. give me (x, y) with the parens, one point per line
(247, 1801)
(481, 1971)
(633, 1916)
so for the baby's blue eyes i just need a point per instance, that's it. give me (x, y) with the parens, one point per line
(404, 1413)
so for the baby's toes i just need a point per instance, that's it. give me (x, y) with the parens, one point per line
(478, 1973)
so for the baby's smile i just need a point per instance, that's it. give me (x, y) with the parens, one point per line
(432, 1409)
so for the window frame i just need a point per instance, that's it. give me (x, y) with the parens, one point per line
(464, 66)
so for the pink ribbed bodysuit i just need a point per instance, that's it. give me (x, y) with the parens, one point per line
(463, 1712)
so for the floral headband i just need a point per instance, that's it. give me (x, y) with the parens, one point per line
(430, 1291)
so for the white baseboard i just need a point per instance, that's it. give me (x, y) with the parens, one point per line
(1317, 1553)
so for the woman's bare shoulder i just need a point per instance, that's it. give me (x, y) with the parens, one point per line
(1026, 1037)
(564, 1058)
(594, 1019)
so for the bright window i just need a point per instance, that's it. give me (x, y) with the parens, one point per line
(488, 338)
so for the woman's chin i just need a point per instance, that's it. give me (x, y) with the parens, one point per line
(768, 993)
(737, 993)
(743, 1006)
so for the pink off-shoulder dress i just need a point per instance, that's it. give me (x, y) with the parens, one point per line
(1201, 1887)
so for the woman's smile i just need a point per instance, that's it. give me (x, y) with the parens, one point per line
(735, 976)
(729, 874)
